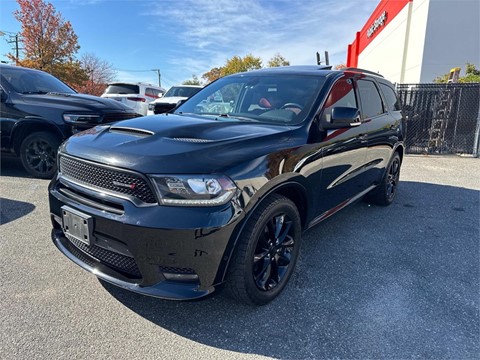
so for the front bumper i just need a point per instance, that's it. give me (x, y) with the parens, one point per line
(167, 252)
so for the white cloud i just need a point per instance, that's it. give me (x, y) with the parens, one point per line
(213, 31)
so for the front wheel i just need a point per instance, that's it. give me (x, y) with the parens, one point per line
(384, 194)
(267, 252)
(38, 153)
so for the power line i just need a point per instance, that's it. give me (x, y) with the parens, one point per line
(132, 70)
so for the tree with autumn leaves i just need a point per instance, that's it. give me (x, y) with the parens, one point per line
(50, 44)
(238, 64)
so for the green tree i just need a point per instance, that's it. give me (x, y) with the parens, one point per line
(237, 64)
(212, 75)
(472, 74)
(193, 81)
(49, 42)
(278, 60)
(232, 66)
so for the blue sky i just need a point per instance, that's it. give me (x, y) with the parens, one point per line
(182, 38)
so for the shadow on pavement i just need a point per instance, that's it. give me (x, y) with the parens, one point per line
(12, 167)
(11, 210)
(372, 282)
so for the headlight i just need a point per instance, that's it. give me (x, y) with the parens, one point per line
(193, 190)
(151, 107)
(81, 118)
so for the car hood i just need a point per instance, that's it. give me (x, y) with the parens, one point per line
(172, 144)
(76, 102)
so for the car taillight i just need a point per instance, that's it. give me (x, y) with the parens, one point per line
(136, 99)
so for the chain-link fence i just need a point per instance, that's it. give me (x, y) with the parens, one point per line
(441, 118)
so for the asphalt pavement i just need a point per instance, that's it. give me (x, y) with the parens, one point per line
(372, 282)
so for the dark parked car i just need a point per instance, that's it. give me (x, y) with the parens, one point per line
(38, 112)
(175, 208)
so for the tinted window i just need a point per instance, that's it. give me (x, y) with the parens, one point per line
(371, 101)
(151, 93)
(33, 82)
(122, 89)
(341, 95)
(390, 97)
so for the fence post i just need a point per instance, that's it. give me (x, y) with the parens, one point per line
(476, 144)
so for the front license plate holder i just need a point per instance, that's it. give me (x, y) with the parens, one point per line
(77, 225)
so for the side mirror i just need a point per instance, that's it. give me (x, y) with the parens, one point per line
(343, 117)
(180, 102)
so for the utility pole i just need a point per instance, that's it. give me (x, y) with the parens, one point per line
(14, 39)
(159, 76)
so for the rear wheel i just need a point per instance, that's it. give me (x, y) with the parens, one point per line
(384, 194)
(38, 153)
(267, 252)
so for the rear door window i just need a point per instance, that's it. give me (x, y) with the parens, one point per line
(390, 97)
(151, 93)
(372, 104)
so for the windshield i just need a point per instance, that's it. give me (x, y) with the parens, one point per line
(281, 99)
(184, 91)
(33, 82)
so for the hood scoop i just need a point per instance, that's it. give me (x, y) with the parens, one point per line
(131, 131)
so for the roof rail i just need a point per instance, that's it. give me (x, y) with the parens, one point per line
(361, 70)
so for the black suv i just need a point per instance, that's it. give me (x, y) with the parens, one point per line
(221, 191)
(38, 112)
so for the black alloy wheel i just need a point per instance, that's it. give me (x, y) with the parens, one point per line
(266, 253)
(393, 176)
(38, 153)
(273, 252)
(384, 193)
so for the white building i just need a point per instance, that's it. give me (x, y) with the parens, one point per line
(413, 41)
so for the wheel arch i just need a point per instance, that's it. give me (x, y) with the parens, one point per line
(400, 149)
(293, 191)
(25, 128)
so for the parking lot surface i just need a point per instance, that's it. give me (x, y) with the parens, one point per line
(372, 282)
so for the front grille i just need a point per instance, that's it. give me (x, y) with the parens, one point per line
(163, 108)
(107, 118)
(102, 177)
(119, 262)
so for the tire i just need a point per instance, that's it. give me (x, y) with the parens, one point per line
(38, 153)
(384, 194)
(266, 253)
